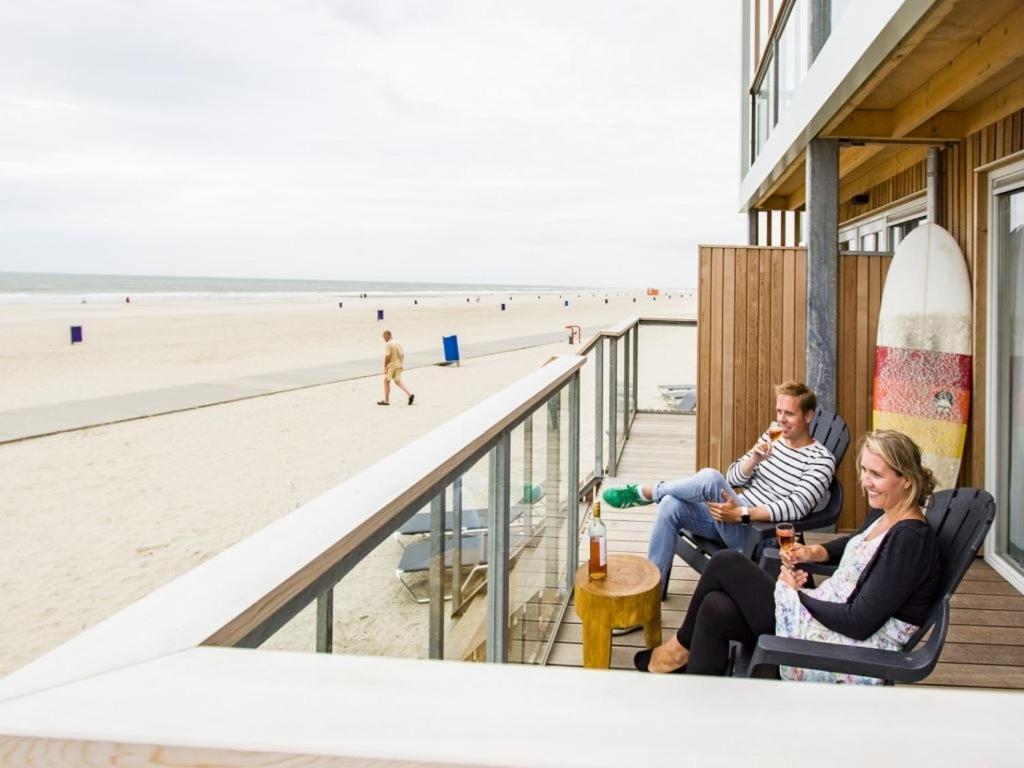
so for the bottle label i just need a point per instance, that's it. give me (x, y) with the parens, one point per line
(603, 548)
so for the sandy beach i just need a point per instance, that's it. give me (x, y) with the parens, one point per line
(97, 518)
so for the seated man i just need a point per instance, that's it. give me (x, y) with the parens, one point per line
(781, 480)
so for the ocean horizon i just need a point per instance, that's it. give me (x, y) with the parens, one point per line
(36, 287)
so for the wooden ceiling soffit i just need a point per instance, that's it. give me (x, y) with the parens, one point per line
(876, 125)
(850, 160)
(990, 54)
(1005, 101)
(775, 197)
(899, 53)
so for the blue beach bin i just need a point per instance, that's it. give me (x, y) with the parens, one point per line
(451, 348)
(566, 303)
(76, 334)
(380, 314)
(502, 307)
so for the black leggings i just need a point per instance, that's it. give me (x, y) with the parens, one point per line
(734, 600)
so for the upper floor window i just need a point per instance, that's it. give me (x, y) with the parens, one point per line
(781, 40)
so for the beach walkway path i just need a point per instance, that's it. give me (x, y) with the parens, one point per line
(985, 646)
(39, 421)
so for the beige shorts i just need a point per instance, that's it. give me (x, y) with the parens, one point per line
(393, 374)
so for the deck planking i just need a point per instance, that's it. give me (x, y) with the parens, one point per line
(985, 646)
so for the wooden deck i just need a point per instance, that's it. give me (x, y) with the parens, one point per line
(985, 647)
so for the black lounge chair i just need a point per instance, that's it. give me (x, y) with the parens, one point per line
(830, 430)
(961, 519)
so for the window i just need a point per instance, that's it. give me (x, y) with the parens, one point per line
(792, 53)
(1010, 218)
(898, 231)
(882, 231)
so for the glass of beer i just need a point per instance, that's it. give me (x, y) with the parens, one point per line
(785, 535)
(774, 431)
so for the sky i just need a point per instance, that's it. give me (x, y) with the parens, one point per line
(571, 142)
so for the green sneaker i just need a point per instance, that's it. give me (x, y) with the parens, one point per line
(625, 496)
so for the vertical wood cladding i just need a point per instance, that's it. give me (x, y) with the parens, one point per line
(962, 213)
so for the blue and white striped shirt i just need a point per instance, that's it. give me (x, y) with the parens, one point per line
(791, 482)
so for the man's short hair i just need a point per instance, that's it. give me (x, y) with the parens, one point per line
(807, 399)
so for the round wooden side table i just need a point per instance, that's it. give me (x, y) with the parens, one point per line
(630, 595)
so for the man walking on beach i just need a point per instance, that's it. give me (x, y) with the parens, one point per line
(394, 361)
(783, 477)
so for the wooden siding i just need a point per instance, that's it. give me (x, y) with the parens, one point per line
(897, 187)
(860, 295)
(752, 335)
(751, 330)
(963, 211)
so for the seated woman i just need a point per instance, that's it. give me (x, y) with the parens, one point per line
(886, 581)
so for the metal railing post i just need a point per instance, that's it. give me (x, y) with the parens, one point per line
(528, 472)
(599, 409)
(572, 527)
(457, 543)
(636, 364)
(325, 621)
(626, 370)
(553, 495)
(497, 552)
(613, 406)
(436, 579)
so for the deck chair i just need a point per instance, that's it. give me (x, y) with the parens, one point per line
(961, 519)
(682, 397)
(415, 559)
(830, 430)
(474, 520)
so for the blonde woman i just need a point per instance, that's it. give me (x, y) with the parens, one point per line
(887, 578)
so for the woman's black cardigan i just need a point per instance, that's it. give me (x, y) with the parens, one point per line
(901, 580)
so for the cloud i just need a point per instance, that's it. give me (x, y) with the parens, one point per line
(520, 142)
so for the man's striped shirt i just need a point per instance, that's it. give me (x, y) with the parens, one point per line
(791, 482)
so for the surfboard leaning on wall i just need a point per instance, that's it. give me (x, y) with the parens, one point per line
(923, 351)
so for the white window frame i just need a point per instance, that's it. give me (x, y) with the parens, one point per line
(879, 221)
(1007, 178)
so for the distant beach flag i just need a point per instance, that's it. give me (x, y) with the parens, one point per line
(76, 334)
(380, 314)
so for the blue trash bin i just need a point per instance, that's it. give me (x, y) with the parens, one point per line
(76, 334)
(451, 348)
(380, 314)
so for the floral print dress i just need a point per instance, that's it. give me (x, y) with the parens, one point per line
(792, 619)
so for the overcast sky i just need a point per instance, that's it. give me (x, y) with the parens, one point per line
(591, 142)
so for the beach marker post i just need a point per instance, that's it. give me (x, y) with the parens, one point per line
(380, 314)
(76, 334)
(451, 349)
(503, 307)
(566, 303)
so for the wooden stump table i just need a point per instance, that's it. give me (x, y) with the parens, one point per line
(630, 595)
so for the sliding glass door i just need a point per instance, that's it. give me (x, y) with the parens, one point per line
(1009, 218)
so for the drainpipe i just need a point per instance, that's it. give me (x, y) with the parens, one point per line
(933, 185)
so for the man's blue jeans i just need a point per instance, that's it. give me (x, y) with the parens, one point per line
(681, 505)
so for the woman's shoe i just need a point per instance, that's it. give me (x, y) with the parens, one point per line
(625, 496)
(642, 660)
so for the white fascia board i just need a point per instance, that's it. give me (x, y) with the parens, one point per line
(867, 32)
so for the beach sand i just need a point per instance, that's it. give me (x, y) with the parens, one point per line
(95, 519)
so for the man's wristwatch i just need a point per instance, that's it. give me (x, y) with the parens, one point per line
(745, 515)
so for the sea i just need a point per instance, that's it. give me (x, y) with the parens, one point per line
(47, 287)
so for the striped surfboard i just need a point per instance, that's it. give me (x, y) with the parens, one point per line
(923, 362)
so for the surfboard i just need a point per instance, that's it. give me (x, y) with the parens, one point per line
(922, 382)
